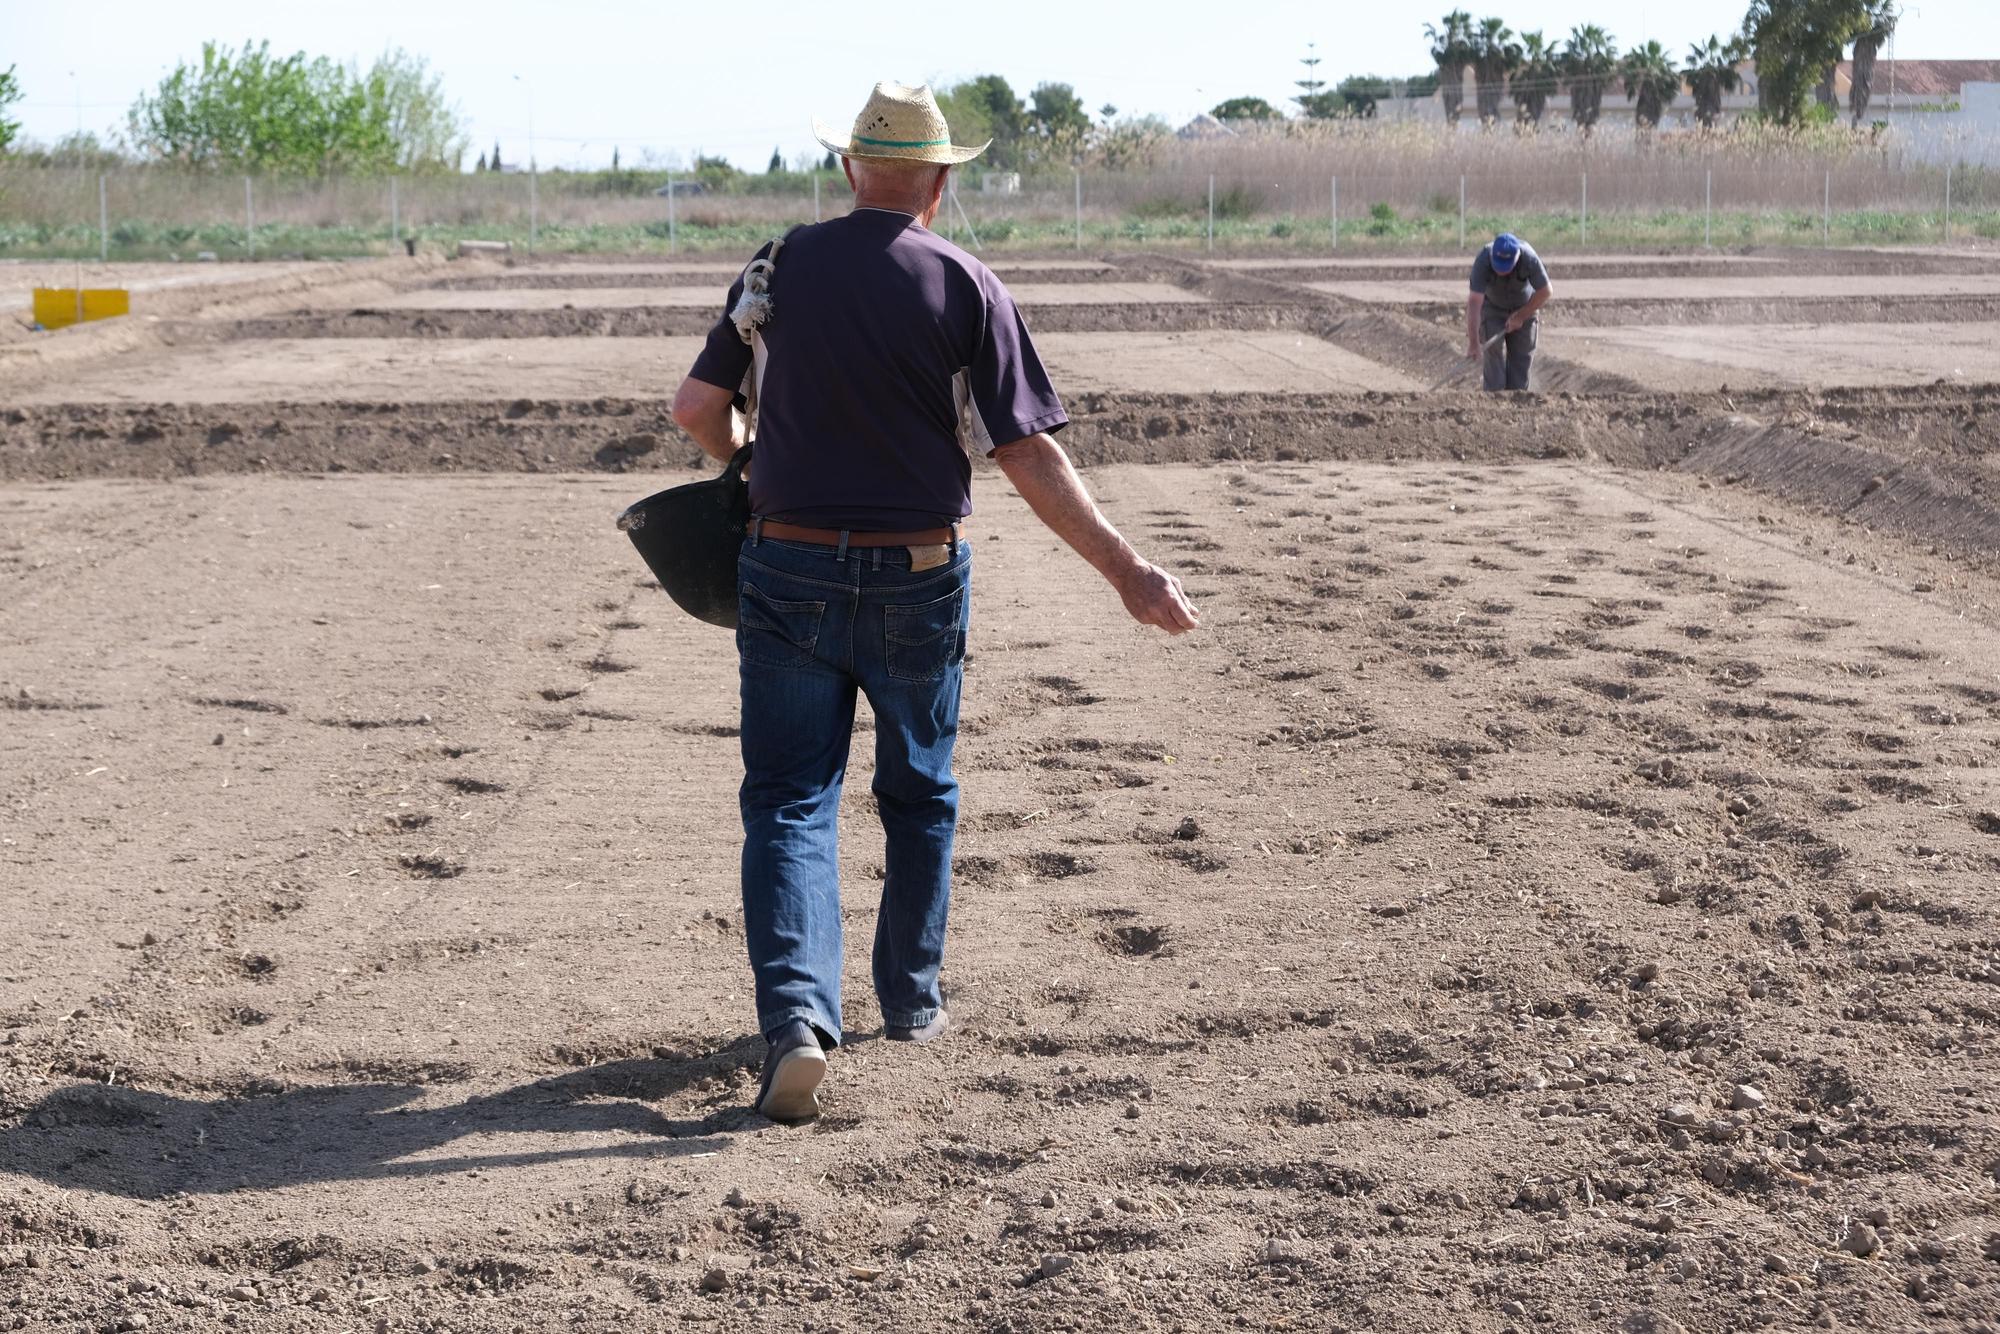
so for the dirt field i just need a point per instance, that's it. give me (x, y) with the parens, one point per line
(18, 279)
(707, 297)
(1553, 890)
(1820, 355)
(1755, 286)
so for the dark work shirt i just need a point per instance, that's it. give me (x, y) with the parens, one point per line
(889, 355)
(1509, 291)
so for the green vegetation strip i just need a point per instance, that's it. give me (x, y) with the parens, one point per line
(1308, 236)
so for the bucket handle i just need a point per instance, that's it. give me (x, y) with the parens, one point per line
(634, 516)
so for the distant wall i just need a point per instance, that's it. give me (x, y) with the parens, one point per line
(1969, 135)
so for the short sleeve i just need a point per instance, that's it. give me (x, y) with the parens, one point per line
(1480, 272)
(1538, 274)
(725, 360)
(1008, 393)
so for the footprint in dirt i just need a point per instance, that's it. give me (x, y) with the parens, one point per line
(246, 705)
(1058, 865)
(474, 786)
(1134, 941)
(1198, 860)
(1068, 692)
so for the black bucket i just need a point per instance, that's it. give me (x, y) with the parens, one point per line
(689, 537)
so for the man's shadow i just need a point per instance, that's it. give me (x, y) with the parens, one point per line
(148, 1145)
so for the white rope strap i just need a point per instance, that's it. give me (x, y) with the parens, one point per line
(754, 307)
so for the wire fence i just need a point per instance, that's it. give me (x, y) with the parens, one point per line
(52, 213)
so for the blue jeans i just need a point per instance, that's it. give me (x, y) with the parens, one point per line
(814, 626)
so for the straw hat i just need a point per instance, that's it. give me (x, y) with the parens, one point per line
(900, 123)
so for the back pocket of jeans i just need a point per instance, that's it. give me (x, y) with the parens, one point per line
(925, 640)
(774, 632)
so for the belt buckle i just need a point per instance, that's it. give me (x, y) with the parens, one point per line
(928, 556)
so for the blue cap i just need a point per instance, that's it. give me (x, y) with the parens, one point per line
(1505, 252)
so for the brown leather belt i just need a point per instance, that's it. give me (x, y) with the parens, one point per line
(833, 537)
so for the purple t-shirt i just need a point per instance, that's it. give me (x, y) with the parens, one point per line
(890, 355)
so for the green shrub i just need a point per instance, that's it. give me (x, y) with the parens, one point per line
(1235, 203)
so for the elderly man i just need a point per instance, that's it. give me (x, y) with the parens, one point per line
(1509, 285)
(885, 355)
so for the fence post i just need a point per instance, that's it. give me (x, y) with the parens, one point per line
(1826, 214)
(1707, 208)
(249, 221)
(1583, 217)
(1336, 212)
(672, 239)
(1077, 172)
(395, 214)
(1211, 212)
(1947, 203)
(816, 217)
(1461, 212)
(534, 203)
(103, 225)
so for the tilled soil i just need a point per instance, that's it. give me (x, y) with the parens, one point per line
(657, 321)
(1539, 894)
(1544, 894)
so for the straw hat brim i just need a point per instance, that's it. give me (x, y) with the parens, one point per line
(941, 153)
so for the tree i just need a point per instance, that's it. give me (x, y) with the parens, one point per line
(1312, 86)
(1710, 72)
(986, 108)
(1245, 108)
(1495, 55)
(777, 163)
(493, 163)
(831, 162)
(10, 93)
(1061, 125)
(1868, 43)
(1107, 113)
(1797, 44)
(614, 157)
(425, 130)
(1057, 111)
(1451, 51)
(1322, 105)
(481, 164)
(1651, 83)
(250, 110)
(1361, 94)
(1589, 62)
(1535, 78)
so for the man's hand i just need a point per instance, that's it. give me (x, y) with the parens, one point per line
(1472, 349)
(1518, 321)
(1041, 472)
(1154, 597)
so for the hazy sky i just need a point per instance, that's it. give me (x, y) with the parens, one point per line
(741, 79)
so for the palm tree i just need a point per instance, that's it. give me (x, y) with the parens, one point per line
(1589, 61)
(1881, 19)
(1711, 72)
(1451, 49)
(1495, 56)
(1534, 79)
(1651, 83)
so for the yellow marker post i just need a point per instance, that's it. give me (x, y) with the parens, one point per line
(60, 307)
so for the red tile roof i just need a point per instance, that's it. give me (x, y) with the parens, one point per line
(1920, 78)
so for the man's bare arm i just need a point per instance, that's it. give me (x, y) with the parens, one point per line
(708, 413)
(1041, 472)
(1474, 303)
(1519, 319)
